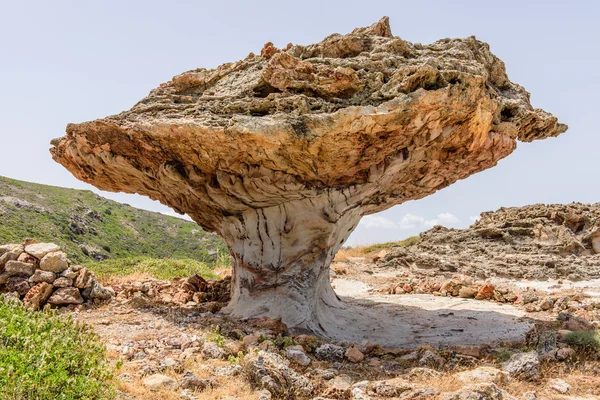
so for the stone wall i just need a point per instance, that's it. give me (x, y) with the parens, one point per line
(40, 274)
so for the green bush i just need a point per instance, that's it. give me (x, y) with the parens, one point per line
(157, 268)
(589, 340)
(47, 356)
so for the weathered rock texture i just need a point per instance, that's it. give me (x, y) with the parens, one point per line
(282, 153)
(537, 242)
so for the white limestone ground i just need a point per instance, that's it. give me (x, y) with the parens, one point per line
(414, 319)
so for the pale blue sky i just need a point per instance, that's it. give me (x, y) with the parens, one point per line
(72, 61)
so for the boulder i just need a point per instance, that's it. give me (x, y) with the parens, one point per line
(65, 296)
(55, 261)
(84, 279)
(70, 273)
(524, 366)
(39, 250)
(37, 296)
(18, 268)
(43, 276)
(18, 284)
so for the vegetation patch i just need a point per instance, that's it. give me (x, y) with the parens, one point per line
(47, 356)
(387, 245)
(158, 268)
(89, 227)
(586, 340)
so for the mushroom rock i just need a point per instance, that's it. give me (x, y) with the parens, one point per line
(282, 153)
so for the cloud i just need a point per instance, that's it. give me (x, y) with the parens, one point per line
(443, 219)
(408, 222)
(411, 221)
(474, 218)
(378, 222)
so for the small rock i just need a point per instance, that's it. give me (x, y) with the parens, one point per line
(263, 395)
(228, 370)
(564, 353)
(297, 356)
(54, 262)
(481, 391)
(97, 291)
(158, 381)
(391, 387)
(187, 394)
(412, 356)
(339, 387)
(212, 350)
(423, 373)
(558, 385)
(485, 292)
(250, 340)
(330, 352)
(191, 381)
(169, 363)
(467, 292)
(354, 355)
(65, 296)
(546, 303)
(62, 282)
(483, 374)
(430, 358)
(524, 366)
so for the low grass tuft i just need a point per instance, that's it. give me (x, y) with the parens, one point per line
(153, 267)
(47, 356)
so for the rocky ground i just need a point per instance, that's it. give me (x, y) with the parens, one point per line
(438, 333)
(439, 328)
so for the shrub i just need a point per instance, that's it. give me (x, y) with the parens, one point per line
(47, 356)
(155, 267)
(216, 336)
(588, 340)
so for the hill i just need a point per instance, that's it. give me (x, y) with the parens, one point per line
(557, 241)
(90, 227)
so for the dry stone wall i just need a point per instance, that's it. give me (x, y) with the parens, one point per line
(40, 274)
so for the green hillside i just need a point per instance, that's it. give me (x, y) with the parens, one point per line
(90, 227)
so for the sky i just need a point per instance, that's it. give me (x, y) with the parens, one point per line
(74, 61)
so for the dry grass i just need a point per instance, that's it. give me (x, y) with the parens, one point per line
(231, 386)
(345, 253)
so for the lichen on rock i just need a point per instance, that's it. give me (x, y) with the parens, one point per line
(282, 153)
